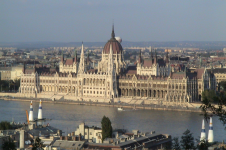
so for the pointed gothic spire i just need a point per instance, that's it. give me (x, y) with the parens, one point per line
(167, 56)
(82, 61)
(155, 60)
(113, 33)
(75, 56)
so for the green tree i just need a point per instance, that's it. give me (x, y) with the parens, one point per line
(214, 105)
(9, 145)
(203, 145)
(176, 144)
(106, 128)
(5, 125)
(187, 140)
(38, 144)
(222, 86)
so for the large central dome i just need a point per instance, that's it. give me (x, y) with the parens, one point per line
(116, 46)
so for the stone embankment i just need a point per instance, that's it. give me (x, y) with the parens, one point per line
(190, 107)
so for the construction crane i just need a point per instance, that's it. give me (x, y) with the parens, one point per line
(27, 117)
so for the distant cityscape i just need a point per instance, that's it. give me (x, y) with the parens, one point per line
(168, 76)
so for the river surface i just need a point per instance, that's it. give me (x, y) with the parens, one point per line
(67, 117)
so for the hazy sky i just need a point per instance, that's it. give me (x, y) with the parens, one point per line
(91, 20)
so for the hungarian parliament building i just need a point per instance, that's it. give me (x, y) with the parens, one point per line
(113, 80)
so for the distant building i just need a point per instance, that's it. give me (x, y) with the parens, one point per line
(16, 72)
(92, 134)
(149, 79)
(5, 73)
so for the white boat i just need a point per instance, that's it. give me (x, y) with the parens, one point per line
(120, 109)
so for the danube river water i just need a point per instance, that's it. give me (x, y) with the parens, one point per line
(67, 117)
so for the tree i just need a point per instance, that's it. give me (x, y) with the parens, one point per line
(203, 145)
(222, 86)
(176, 144)
(214, 105)
(106, 128)
(38, 144)
(9, 145)
(187, 140)
(5, 125)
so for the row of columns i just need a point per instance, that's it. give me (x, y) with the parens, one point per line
(143, 93)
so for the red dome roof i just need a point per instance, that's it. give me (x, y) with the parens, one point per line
(116, 46)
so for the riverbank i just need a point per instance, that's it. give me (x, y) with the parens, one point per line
(116, 105)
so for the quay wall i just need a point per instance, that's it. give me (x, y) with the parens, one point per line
(127, 103)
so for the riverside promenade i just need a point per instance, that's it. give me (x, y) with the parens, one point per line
(122, 103)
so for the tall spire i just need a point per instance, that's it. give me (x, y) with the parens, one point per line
(155, 59)
(82, 61)
(167, 56)
(113, 33)
(75, 56)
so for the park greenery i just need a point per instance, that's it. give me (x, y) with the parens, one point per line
(38, 144)
(186, 142)
(5, 125)
(214, 103)
(9, 145)
(9, 85)
(106, 128)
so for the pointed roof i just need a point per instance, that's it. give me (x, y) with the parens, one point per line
(116, 46)
(75, 56)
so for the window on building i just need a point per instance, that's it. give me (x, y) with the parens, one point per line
(85, 133)
(90, 133)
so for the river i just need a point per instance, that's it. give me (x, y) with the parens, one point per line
(67, 117)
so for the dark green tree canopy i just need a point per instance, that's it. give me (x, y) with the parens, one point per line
(176, 144)
(38, 144)
(203, 145)
(5, 125)
(213, 104)
(9, 145)
(106, 128)
(187, 140)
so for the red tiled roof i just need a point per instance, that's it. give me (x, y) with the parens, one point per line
(147, 63)
(69, 61)
(200, 72)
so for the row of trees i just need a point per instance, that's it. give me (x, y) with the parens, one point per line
(214, 103)
(5, 125)
(10, 145)
(6, 85)
(188, 142)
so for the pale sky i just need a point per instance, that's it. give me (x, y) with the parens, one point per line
(91, 20)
